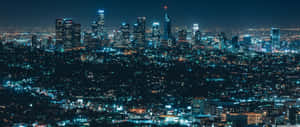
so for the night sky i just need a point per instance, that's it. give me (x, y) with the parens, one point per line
(208, 13)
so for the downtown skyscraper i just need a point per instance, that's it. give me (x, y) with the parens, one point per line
(156, 34)
(125, 31)
(275, 38)
(68, 33)
(139, 30)
(98, 25)
(167, 25)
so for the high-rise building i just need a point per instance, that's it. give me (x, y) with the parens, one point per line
(117, 35)
(167, 25)
(76, 35)
(182, 35)
(139, 30)
(222, 40)
(34, 41)
(50, 43)
(59, 30)
(125, 31)
(68, 33)
(156, 31)
(141, 21)
(100, 24)
(275, 38)
(195, 29)
(1, 40)
(235, 42)
(198, 37)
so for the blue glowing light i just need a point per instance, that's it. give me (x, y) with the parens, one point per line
(156, 24)
(101, 11)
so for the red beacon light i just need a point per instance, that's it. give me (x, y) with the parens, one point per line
(166, 7)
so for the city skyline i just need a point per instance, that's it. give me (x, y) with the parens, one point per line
(214, 14)
(150, 63)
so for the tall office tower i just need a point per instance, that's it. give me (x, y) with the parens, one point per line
(235, 42)
(222, 39)
(1, 40)
(167, 25)
(76, 35)
(141, 21)
(100, 24)
(139, 30)
(50, 43)
(67, 33)
(198, 37)
(59, 30)
(195, 29)
(275, 37)
(4, 38)
(156, 33)
(182, 35)
(125, 31)
(34, 41)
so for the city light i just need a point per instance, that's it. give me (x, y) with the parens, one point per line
(136, 63)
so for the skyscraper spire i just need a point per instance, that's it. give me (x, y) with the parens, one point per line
(167, 24)
(166, 7)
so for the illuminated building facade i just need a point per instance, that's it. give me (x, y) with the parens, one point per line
(167, 25)
(156, 33)
(100, 24)
(76, 35)
(139, 30)
(195, 29)
(59, 30)
(182, 35)
(90, 40)
(198, 37)
(222, 40)
(34, 41)
(125, 31)
(68, 33)
(275, 38)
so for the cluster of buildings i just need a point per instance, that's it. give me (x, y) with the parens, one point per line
(69, 36)
(116, 86)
